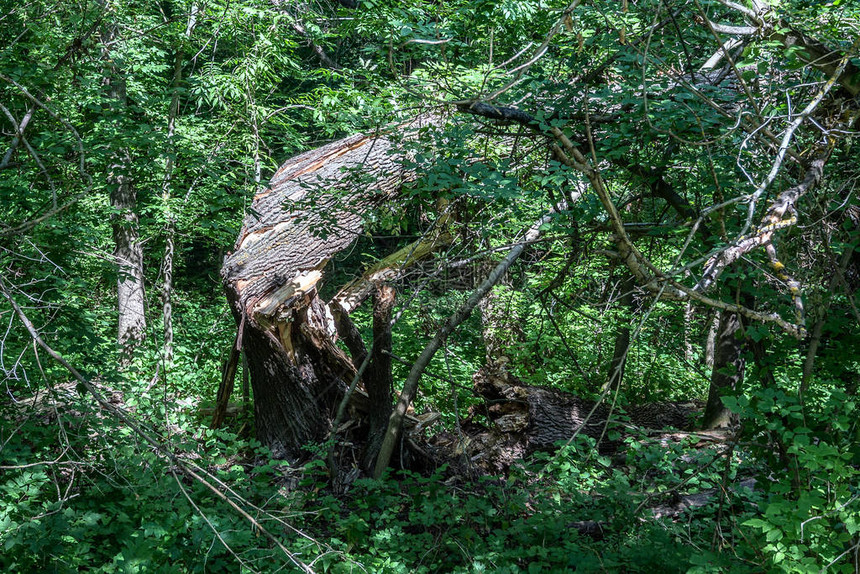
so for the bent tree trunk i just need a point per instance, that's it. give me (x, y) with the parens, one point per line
(311, 211)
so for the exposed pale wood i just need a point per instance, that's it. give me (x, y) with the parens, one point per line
(312, 210)
(389, 268)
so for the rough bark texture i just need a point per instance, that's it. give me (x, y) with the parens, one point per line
(294, 393)
(728, 370)
(128, 250)
(311, 212)
(166, 193)
(615, 374)
(271, 278)
(524, 419)
(712, 325)
(128, 253)
(167, 293)
(170, 231)
(378, 379)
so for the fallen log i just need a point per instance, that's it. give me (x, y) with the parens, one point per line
(524, 419)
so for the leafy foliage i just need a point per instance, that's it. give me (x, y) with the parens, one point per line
(198, 102)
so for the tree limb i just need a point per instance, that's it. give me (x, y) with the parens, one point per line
(410, 387)
(122, 416)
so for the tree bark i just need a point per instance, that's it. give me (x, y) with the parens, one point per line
(378, 379)
(128, 253)
(19, 136)
(166, 188)
(170, 227)
(225, 389)
(622, 335)
(728, 370)
(128, 250)
(711, 324)
(410, 387)
(311, 211)
(525, 419)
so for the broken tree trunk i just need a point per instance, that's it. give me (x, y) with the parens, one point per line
(523, 419)
(410, 387)
(378, 380)
(312, 210)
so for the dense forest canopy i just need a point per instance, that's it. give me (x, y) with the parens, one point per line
(413, 286)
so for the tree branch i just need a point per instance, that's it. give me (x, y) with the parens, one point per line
(122, 416)
(410, 387)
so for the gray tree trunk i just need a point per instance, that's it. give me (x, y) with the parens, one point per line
(728, 370)
(615, 374)
(128, 253)
(128, 250)
(712, 325)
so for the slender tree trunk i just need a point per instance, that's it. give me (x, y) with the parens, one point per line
(225, 389)
(170, 228)
(622, 336)
(689, 330)
(167, 295)
(712, 325)
(128, 250)
(166, 195)
(378, 380)
(19, 135)
(728, 370)
(246, 381)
